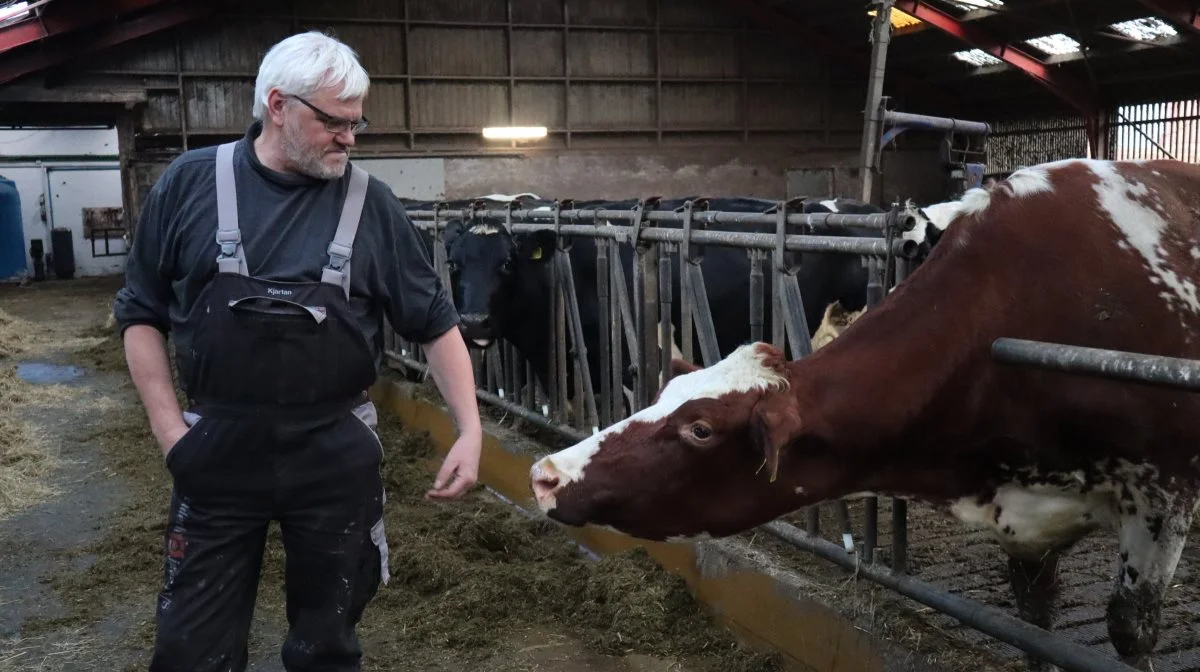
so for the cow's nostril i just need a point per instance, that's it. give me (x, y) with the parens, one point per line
(544, 480)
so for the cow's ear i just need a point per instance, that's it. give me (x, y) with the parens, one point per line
(774, 423)
(682, 366)
(535, 246)
(454, 229)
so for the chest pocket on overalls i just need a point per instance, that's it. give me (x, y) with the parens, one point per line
(276, 318)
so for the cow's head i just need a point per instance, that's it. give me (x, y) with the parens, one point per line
(700, 461)
(487, 267)
(933, 220)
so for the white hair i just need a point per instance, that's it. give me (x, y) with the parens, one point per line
(305, 63)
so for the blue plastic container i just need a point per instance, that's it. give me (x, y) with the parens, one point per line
(12, 232)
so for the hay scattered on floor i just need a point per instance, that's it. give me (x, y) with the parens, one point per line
(33, 654)
(16, 393)
(469, 578)
(16, 335)
(26, 461)
(470, 574)
(99, 349)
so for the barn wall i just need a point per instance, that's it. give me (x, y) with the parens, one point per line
(728, 171)
(42, 143)
(686, 95)
(57, 172)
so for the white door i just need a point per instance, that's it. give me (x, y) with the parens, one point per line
(72, 190)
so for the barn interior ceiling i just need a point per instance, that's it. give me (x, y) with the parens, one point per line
(1012, 57)
(980, 58)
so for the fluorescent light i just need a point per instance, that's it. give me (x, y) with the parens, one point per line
(514, 132)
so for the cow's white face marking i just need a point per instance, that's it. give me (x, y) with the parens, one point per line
(1143, 228)
(832, 205)
(742, 371)
(484, 230)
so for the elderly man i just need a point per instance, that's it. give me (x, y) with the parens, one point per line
(271, 261)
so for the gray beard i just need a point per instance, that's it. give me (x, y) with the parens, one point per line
(305, 159)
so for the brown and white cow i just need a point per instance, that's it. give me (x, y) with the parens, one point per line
(908, 402)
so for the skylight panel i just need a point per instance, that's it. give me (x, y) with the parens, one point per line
(1056, 44)
(968, 5)
(1147, 29)
(976, 57)
(14, 12)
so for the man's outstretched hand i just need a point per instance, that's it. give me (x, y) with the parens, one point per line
(460, 469)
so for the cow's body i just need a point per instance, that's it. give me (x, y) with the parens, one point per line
(502, 282)
(908, 401)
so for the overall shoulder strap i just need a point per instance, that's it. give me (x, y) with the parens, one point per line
(337, 271)
(229, 236)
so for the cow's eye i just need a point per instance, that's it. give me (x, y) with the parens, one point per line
(451, 266)
(700, 430)
(507, 266)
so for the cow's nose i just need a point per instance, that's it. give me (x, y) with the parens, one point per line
(477, 320)
(545, 481)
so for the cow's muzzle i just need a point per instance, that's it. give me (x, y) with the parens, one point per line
(477, 330)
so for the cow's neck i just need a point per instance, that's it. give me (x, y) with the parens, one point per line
(882, 390)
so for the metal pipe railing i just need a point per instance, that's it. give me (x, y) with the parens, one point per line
(816, 219)
(874, 247)
(1052, 648)
(928, 123)
(1171, 372)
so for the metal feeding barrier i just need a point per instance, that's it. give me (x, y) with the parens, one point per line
(635, 329)
(637, 319)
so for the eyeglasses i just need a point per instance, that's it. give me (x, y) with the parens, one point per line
(335, 124)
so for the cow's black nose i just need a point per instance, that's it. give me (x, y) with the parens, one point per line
(477, 321)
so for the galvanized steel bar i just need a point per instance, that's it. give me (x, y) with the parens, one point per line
(1052, 648)
(928, 123)
(702, 318)
(756, 294)
(875, 294)
(558, 335)
(778, 328)
(607, 332)
(648, 326)
(686, 297)
(707, 217)
(585, 399)
(666, 336)
(877, 247)
(618, 324)
(1169, 372)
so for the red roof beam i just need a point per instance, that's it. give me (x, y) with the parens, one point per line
(13, 66)
(65, 16)
(1060, 84)
(1176, 10)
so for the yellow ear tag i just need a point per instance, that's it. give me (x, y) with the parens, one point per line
(537, 254)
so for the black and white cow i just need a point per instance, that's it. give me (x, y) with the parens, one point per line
(502, 283)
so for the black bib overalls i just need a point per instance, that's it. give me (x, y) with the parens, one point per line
(281, 429)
